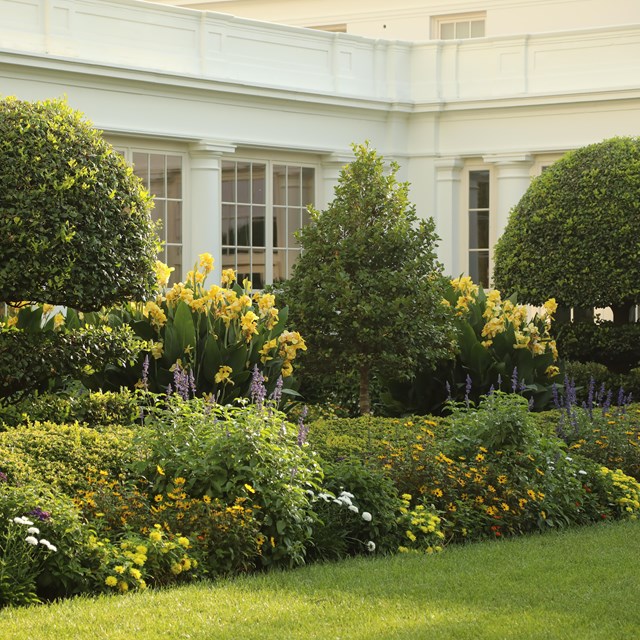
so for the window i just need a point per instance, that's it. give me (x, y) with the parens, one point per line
(478, 213)
(460, 26)
(263, 205)
(162, 176)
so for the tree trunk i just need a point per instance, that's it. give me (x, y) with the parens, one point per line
(365, 399)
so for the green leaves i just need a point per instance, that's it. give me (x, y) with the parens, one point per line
(75, 228)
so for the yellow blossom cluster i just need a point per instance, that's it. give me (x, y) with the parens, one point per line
(289, 343)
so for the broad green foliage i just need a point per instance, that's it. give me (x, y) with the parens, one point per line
(575, 234)
(499, 346)
(75, 227)
(366, 290)
(217, 335)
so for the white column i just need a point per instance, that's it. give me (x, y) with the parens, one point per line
(513, 176)
(448, 216)
(205, 215)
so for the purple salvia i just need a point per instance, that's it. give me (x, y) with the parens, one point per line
(467, 390)
(145, 372)
(257, 390)
(181, 382)
(621, 397)
(41, 515)
(523, 386)
(303, 430)
(600, 396)
(590, 396)
(514, 380)
(192, 384)
(556, 396)
(276, 396)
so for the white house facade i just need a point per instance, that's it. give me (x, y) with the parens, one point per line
(236, 124)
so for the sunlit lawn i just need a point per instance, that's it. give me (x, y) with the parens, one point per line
(581, 584)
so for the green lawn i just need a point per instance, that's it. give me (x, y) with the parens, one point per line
(580, 584)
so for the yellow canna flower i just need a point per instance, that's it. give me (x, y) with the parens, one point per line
(206, 262)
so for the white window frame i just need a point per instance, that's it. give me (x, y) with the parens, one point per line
(269, 163)
(455, 19)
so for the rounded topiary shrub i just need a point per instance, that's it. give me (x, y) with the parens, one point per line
(75, 227)
(575, 234)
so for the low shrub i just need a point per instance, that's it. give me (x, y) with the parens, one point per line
(615, 346)
(226, 453)
(62, 455)
(88, 408)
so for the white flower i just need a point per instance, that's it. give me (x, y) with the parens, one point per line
(325, 496)
(23, 520)
(582, 472)
(352, 507)
(337, 501)
(31, 540)
(371, 546)
(568, 459)
(46, 543)
(34, 531)
(366, 516)
(345, 500)
(347, 494)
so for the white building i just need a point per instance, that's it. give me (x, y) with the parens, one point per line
(236, 123)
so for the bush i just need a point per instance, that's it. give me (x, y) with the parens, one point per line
(91, 409)
(498, 347)
(35, 358)
(61, 456)
(583, 214)
(226, 453)
(615, 346)
(358, 515)
(215, 336)
(75, 228)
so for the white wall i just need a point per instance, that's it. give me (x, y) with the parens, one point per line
(211, 86)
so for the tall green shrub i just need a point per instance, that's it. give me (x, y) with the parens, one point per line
(366, 292)
(75, 227)
(575, 234)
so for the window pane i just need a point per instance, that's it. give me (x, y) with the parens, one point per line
(294, 187)
(478, 230)
(174, 222)
(478, 190)
(447, 31)
(258, 184)
(479, 267)
(308, 183)
(258, 269)
(292, 226)
(158, 213)
(279, 227)
(477, 29)
(243, 225)
(228, 258)
(462, 29)
(228, 182)
(141, 167)
(174, 177)
(157, 175)
(243, 268)
(258, 227)
(279, 265)
(174, 259)
(228, 224)
(293, 257)
(244, 180)
(279, 184)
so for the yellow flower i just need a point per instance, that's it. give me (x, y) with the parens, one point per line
(223, 375)
(155, 536)
(265, 303)
(287, 369)
(156, 350)
(550, 306)
(123, 586)
(160, 470)
(228, 276)
(186, 564)
(119, 569)
(411, 535)
(249, 325)
(206, 262)
(552, 371)
(135, 573)
(163, 273)
(264, 352)
(184, 542)
(58, 320)
(111, 581)
(158, 317)
(249, 488)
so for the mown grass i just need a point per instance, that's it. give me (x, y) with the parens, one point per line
(582, 584)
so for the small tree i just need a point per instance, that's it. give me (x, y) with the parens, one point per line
(75, 230)
(75, 227)
(575, 234)
(367, 291)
